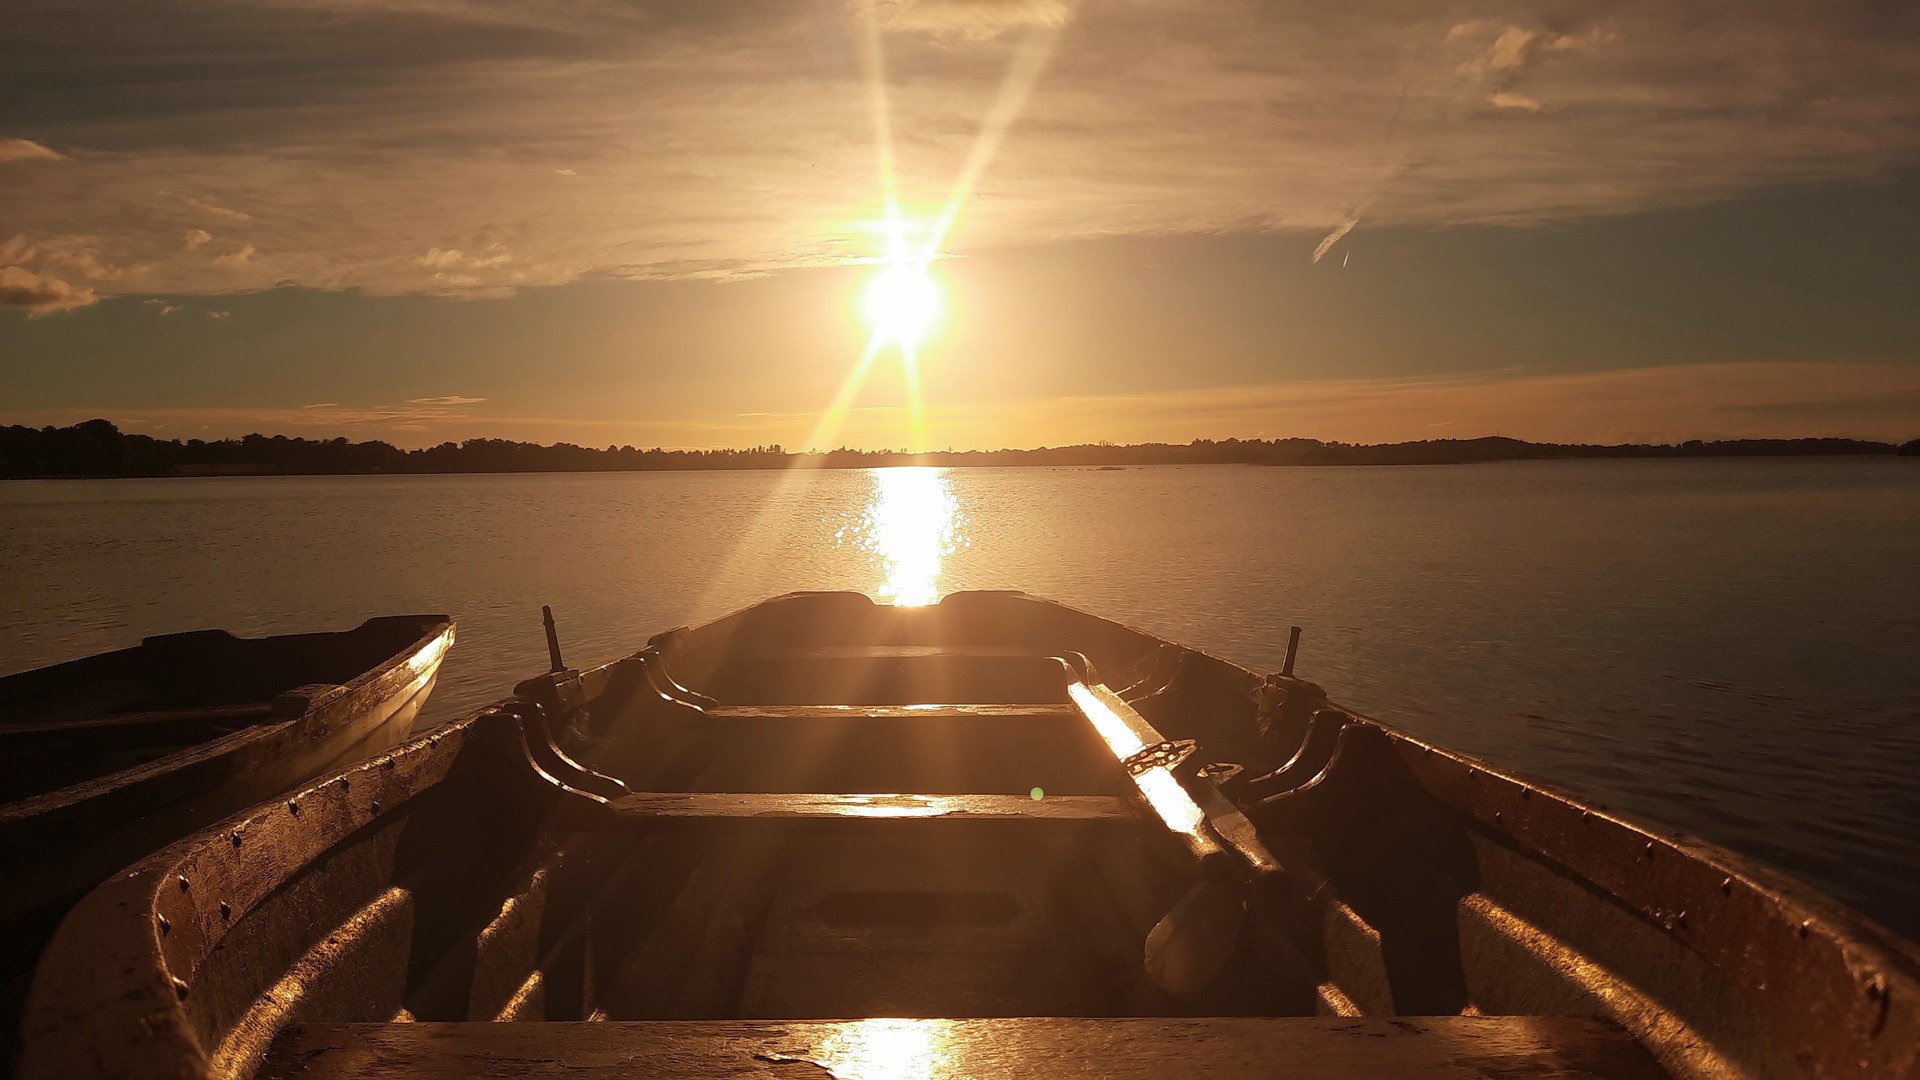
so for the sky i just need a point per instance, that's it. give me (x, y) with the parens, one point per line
(642, 223)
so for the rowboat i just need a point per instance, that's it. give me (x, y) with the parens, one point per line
(110, 758)
(990, 837)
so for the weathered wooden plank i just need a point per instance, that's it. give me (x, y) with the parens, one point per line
(655, 809)
(895, 652)
(1220, 1048)
(879, 712)
(137, 728)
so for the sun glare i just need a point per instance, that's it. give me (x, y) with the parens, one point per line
(902, 302)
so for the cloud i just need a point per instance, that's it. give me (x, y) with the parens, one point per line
(73, 255)
(196, 237)
(973, 19)
(26, 150)
(323, 405)
(1506, 99)
(455, 257)
(450, 400)
(737, 135)
(216, 211)
(219, 314)
(235, 259)
(39, 294)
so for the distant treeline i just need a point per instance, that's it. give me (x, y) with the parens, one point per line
(98, 448)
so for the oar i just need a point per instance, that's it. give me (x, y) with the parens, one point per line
(1189, 946)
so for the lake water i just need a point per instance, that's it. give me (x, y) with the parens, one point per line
(1731, 647)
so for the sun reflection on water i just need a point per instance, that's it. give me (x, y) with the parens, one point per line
(887, 1050)
(911, 525)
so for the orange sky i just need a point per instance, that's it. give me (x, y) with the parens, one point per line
(651, 223)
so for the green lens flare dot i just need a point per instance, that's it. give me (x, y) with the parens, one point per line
(1037, 794)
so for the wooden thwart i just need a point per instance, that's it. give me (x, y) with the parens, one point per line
(733, 809)
(898, 652)
(1220, 1048)
(878, 712)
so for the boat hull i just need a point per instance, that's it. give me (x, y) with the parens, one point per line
(55, 845)
(894, 853)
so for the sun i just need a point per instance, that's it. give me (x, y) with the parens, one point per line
(902, 302)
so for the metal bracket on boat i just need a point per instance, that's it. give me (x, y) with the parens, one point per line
(1165, 754)
(1159, 677)
(555, 763)
(663, 685)
(553, 639)
(1315, 752)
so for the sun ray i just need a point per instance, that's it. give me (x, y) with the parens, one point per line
(901, 298)
(916, 409)
(873, 64)
(1030, 59)
(825, 428)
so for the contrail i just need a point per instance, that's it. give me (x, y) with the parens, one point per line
(1334, 237)
(1386, 169)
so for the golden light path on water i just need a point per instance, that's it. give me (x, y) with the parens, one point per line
(911, 524)
(887, 1050)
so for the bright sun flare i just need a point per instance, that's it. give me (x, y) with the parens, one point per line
(902, 302)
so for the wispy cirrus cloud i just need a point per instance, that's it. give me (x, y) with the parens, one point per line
(398, 147)
(26, 150)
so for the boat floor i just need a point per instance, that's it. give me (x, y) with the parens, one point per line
(1219, 1048)
(906, 918)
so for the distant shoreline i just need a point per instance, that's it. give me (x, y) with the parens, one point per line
(97, 449)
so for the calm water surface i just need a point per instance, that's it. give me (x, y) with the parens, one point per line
(1732, 647)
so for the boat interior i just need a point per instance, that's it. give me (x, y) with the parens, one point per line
(994, 836)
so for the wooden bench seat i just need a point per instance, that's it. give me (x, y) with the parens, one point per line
(895, 652)
(736, 809)
(1217, 1048)
(888, 712)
